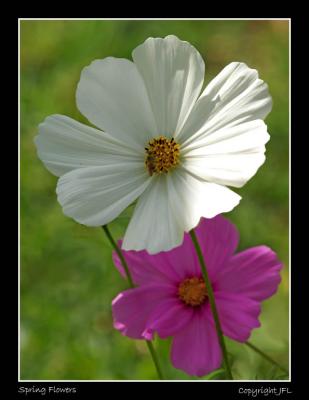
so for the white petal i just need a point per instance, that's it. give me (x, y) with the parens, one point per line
(192, 199)
(229, 156)
(234, 96)
(172, 205)
(153, 225)
(112, 95)
(64, 144)
(173, 72)
(94, 196)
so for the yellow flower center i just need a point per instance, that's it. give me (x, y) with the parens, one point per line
(162, 154)
(192, 291)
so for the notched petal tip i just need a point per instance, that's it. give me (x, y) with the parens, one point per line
(149, 246)
(148, 334)
(117, 298)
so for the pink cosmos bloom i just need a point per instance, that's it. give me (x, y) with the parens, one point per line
(171, 299)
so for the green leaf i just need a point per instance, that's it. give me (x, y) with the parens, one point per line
(215, 374)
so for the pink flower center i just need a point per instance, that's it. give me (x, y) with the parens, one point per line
(192, 291)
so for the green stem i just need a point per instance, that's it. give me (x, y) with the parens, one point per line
(120, 255)
(212, 303)
(154, 358)
(131, 284)
(264, 355)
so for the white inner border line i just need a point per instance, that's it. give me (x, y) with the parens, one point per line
(290, 275)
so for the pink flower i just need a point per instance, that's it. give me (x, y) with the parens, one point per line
(171, 298)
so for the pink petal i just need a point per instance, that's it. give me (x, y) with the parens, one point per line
(172, 266)
(145, 268)
(254, 273)
(218, 239)
(169, 318)
(183, 259)
(238, 315)
(196, 349)
(131, 308)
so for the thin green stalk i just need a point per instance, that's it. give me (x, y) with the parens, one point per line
(264, 355)
(212, 303)
(120, 255)
(131, 284)
(155, 358)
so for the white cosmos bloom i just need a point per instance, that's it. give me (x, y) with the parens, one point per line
(159, 141)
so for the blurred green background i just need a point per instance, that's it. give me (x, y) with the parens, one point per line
(67, 277)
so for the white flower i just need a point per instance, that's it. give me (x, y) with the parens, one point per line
(159, 141)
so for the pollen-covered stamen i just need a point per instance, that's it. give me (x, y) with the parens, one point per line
(162, 154)
(192, 291)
